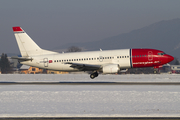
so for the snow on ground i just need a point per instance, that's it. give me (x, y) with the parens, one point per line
(89, 100)
(86, 78)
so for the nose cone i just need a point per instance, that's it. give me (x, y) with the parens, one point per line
(170, 58)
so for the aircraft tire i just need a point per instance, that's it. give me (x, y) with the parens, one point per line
(92, 76)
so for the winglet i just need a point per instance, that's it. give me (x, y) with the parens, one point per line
(17, 29)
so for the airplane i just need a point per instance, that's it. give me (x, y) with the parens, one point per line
(94, 62)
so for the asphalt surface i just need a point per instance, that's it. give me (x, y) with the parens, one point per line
(89, 83)
(93, 118)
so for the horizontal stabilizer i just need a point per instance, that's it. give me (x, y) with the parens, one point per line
(21, 58)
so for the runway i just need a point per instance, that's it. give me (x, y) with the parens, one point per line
(108, 97)
(89, 83)
(93, 118)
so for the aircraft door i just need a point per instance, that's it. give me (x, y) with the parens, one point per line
(45, 60)
(150, 55)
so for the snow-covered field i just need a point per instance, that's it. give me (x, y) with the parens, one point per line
(86, 78)
(89, 100)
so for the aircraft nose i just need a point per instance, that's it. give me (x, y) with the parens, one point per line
(170, 58)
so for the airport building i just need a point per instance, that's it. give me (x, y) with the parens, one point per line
(175, 68)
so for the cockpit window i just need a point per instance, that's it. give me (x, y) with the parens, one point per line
(161, 53)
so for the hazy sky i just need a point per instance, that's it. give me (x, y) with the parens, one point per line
(52, 23)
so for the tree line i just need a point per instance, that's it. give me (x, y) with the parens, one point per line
(5, 64)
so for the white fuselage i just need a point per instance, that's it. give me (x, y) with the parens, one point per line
(57, 61)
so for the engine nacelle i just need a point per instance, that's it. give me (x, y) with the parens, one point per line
(113, 68)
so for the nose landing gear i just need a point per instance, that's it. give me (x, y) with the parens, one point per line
(93, 75)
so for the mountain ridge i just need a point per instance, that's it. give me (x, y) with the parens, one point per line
(163, 35)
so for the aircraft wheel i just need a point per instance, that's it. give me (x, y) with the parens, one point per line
(93, 75)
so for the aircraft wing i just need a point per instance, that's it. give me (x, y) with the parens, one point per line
(84, 67)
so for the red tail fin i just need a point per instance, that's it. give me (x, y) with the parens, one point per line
(17, 29)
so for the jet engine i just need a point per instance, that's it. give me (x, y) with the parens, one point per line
(112, 68)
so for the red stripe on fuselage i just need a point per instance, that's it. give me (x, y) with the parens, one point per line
(146, 58)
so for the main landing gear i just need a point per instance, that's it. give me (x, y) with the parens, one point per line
(93, 75)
